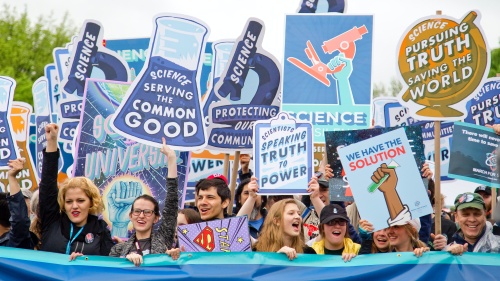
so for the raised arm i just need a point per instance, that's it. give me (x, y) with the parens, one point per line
(49, 208)
(313, 190)
(169, 213)
(19, 234)
(247, 207)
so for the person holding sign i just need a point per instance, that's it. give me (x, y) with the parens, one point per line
(254, 209)
(69, 215)
(145, 212)
(283, 232)
(475, 232)
(335, 237)
(404, 238)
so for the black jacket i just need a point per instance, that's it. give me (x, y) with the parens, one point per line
(95, 239)
(19, 233)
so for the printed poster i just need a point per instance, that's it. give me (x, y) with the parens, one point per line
(474, 154)
(327, 71)
(484, 108)
(8, 147)
(283, 155)
(227, 235)
(385, 179)
(115, 163)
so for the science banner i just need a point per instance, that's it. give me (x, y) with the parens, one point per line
(283, 155)
(442, 62)
(327, 71)
(227, 235)
(39, 265)
(385, 179)
(248, 90)
(474, 154)
(115, 163)
(164, 99)
(41, 101)
(339, 185)
(8, 147)
(484, 108)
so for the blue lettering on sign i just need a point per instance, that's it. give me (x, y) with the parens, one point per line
(68, 130)
(71, 109)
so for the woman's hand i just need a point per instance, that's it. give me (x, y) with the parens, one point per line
(289, 252)
(174, 253)
(135, 258)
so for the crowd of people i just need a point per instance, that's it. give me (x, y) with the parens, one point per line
(67, 219)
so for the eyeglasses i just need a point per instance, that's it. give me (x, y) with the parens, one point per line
(334, 222)
(147, 212)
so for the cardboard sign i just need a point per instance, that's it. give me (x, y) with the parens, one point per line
(484, 108)
(248, 91)
(328, 86)
(227, 235)
(283, 155)
(339, 185)
(41, 101)
(163, 101)
(8, 147)
(446, 139)
(474, 154)
(385, 179)
(388, 112)
(20, 120)
(318, 6)
(442, 61)
(121, 168)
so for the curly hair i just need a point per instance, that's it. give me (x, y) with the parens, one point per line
(90, 190)
(271, 237)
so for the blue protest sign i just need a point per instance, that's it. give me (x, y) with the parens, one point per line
(41, 101)
(115, 163)
(388, 112)
(322, 6)
(337, 79)
(474, 154)
(8, 147)
(50, 72)
(133, 51)
(283, 155)
(484, 108)
(201, 168)
(385, 179)
(248, 90)
(164, 99)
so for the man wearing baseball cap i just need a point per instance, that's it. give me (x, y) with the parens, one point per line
(475, 232)
(485, 192)
(212, 197)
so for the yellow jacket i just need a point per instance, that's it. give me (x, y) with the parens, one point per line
(349, 247)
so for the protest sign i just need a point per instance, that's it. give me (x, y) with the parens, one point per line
(385, 179)
(248, 90)
(484, 108)
(442, 61)
(473, 154)
(8, 147)
(164, 99)
(339, 185)
(318, 6)
(283, 155)
(227, 235)
(115, 163)
(330, 88)
(41, 101)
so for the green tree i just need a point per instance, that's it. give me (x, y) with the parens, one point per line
(495, 63)
(26, 47)
(379, 89)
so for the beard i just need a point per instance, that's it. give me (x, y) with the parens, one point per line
(255, 213)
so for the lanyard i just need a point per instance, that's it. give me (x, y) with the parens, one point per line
(68, 247)
(138, 246)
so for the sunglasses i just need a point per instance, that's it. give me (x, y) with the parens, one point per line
(340, 222)
(147, 212)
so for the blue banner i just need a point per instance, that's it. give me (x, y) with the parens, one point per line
(16, 264)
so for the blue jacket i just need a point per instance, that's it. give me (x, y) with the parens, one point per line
(19, 234)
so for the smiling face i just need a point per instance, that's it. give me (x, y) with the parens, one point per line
(210, 204)
(399, 238)
(334, 234)
(381, 240)
(472, 222)
(77, 205)
(292, 221)
(142, 223)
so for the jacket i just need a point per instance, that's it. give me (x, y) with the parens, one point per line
(487, 243)
(349, 247)
(162, 239)
(95, 238)
(19, 233)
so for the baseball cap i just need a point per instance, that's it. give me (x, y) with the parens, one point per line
(331, 212)
(483, 188)
(26, 193)
(218, 176)
(469, 200)
(323, 184)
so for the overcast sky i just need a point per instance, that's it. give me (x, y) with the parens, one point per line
(226, 18)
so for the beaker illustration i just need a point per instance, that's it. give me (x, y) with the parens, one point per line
(165, 102)
(19, 117)
(7, 144)
(221, 51)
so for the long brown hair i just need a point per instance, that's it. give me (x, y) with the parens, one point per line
(271, 237)
(412, 232)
